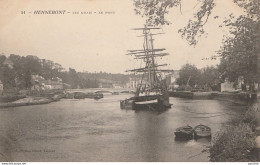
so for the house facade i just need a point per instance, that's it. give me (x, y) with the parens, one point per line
(39, 83)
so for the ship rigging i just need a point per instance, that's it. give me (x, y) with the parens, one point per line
(152, 91)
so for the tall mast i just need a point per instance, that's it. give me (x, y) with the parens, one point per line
(153, 74)
(148, 54)
(146, 48)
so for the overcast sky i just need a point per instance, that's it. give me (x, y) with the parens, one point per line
(99, 42)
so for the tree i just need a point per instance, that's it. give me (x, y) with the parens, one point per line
(240, 52)
(2, 59)
(189, 75)
(7, 77)
(210, 77)
(155, 11)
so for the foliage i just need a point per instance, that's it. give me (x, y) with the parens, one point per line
(236, 141)
(155, 11)
(189, 75)
(205, 77)
(210, 76)
(240, 51)
(7, 76)
(252, 7)
(194, 29)
(233, 143)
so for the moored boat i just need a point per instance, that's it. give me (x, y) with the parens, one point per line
(152, 102)
(151, 92)
(202, 131)
(184, 132)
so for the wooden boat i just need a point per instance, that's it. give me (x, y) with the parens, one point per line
(151, 92)
(184, 132)
(79, 95)
(152, 102)
(202, 131)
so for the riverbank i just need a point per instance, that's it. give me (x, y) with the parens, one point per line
(29, 97)
(43, 97)
(243, 98)
(237, 141)
(27, 101)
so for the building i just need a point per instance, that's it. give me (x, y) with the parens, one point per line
(134, 82)
(39, 83)
(228, 86)
(56, 83)
(171, 79)
(116, 85)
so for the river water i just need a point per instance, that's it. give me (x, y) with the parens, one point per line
(90, 130)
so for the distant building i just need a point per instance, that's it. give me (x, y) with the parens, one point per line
(39, 83)
(116, 85)
(171, 79)
(133, 82)
(54, 84)
(227, 86)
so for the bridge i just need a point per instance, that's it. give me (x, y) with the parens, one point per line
(103, 91)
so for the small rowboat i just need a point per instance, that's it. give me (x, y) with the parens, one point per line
(184, 132)
(202, 131)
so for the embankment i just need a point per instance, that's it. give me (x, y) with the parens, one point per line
(26, 101)
(243, 98)
(237, 141)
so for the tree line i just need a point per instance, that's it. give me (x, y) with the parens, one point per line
(205, 78)
(19, 74)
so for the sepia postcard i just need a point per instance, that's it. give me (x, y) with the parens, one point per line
(129, 81)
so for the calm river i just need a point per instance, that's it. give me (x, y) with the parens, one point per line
(90, 130)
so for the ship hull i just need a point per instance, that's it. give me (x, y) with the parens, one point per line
(154, 103)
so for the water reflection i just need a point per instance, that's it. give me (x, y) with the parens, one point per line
(203, 140)
(151, 130)
(151, 112)
(198, 140)
(182, 139)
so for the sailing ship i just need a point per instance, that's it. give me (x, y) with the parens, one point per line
(151, 92)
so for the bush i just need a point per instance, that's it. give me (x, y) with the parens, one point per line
(233, 143)
(252, 116)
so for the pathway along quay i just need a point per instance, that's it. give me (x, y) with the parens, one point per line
(98, 130)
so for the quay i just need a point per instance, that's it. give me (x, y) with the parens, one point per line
(236, 97)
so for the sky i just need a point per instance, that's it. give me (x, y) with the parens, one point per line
(98, 42)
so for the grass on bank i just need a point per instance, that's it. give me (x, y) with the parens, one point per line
(236, 141)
